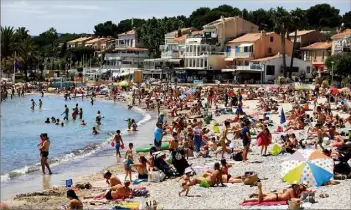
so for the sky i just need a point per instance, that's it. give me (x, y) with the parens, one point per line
(80, 16)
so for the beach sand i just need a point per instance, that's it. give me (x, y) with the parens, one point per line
(229, 197)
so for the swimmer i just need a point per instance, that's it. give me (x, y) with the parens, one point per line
(83, 123)
(62, 124)
(92, 101)
(33, 104)
(98, 118)
(58, 121)
(53, 120)
(47, 121)
(66, 112)
(130, 107)
(81, 113)
(95, 132)
(40, 103)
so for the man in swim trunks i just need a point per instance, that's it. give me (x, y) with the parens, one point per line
(119, 191)
(44, 152)
(212, 178)
(66, 112)
(118, 141)
(246, 137)
(111, 180)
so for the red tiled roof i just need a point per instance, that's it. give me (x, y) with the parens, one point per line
(342, 34)
(318, 46)
(131, 32)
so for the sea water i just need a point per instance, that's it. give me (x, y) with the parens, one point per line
(21, 127)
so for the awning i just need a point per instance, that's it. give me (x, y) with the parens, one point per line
(229, 59)
(246, 45)
(173, 60)
(228, 70)
(318, 64)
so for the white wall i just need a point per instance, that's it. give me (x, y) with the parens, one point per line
(278, 62)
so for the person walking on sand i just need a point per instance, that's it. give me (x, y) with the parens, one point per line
(44, 152)
(66, 112)
(33, 104)
(246, 137)
(118, 142)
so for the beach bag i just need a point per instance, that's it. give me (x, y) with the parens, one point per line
(276, 150)
(156, 176)
(215, 129)
(294, 204)
(238, 156)
(250, 179)
(308, 197)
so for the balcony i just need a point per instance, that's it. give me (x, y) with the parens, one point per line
(252, 67)
(170, 54)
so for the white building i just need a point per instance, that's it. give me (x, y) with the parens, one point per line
(127, 54)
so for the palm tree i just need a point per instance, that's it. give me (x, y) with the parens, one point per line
(297, 22)
(281, 20)
(7, 41)
(27, 51)
(21, 33)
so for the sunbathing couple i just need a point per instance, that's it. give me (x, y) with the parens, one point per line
(293, 192)
(116, 190)
(210, 178)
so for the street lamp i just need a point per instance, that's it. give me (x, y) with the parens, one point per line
(332, 72)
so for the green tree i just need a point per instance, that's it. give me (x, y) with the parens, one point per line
(297, 22)
(323, 15)
(262, 18)
(342, 64)
(7, 41)
(107, 28)
(196, 17)
(27, 51)
(281, 19)
(346, 19)
(21, 33)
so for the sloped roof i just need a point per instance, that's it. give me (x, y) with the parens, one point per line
(79, 40)
(131, 32)
(250, 37)
(342, 34)
(301, 33)
(318, 46)
(267, 58)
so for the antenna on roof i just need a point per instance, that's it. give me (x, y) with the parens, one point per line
(132, 22)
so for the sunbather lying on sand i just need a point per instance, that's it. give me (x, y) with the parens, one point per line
(111, 180)
(117, 192)
(293, 192)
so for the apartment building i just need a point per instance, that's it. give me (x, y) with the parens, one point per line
(205, 52)
(341, 42)
(251, 46)
(305, 38)
(316, 54)
(98, 44)
(80, 42)
(127, 54)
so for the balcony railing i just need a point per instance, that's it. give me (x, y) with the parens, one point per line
(239, 54)
(202, 54)
(170, 54)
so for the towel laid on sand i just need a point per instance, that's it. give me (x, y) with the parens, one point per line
(263, 203)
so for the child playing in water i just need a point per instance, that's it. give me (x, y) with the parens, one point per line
(95, 132)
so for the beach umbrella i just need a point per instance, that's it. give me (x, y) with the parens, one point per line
(308, 166)
(282, 117)
(123, 84)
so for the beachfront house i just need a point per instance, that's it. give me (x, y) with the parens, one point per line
(240, 51)
(98, 43)
(79, 42)
(269, 68)
(341, 42)
(204, 54)
(316, 54)
(125, 56)
(305, 38)
(172, 55)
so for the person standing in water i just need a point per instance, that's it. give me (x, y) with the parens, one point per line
(81, 113)
(42, 93)
(92, 101)
(98, 118)
(66, 112)
(40, 103)
(33, 104)
(118, 142)
(44, 152)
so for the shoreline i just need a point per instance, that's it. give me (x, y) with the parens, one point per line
(146, 117)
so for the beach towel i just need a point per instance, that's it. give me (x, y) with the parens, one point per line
(263, 203)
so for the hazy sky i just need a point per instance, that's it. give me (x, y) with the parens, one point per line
(81, 15)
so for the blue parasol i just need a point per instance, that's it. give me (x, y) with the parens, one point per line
(282, 117)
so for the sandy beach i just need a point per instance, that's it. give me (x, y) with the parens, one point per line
(166, 192)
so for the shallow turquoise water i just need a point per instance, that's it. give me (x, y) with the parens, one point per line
(21, 127)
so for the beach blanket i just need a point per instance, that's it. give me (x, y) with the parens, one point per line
(304, 206)
(263, 203)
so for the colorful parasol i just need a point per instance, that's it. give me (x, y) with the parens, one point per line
(334, 91)
(310, 166)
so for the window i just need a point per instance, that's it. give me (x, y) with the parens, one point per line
(246, 63)
(228, 50)
(270, 70)
(271, 39)
(269, 50)
(237, 49)
(308, 70)
(245, 49)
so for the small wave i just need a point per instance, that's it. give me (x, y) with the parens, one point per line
(73, 155)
